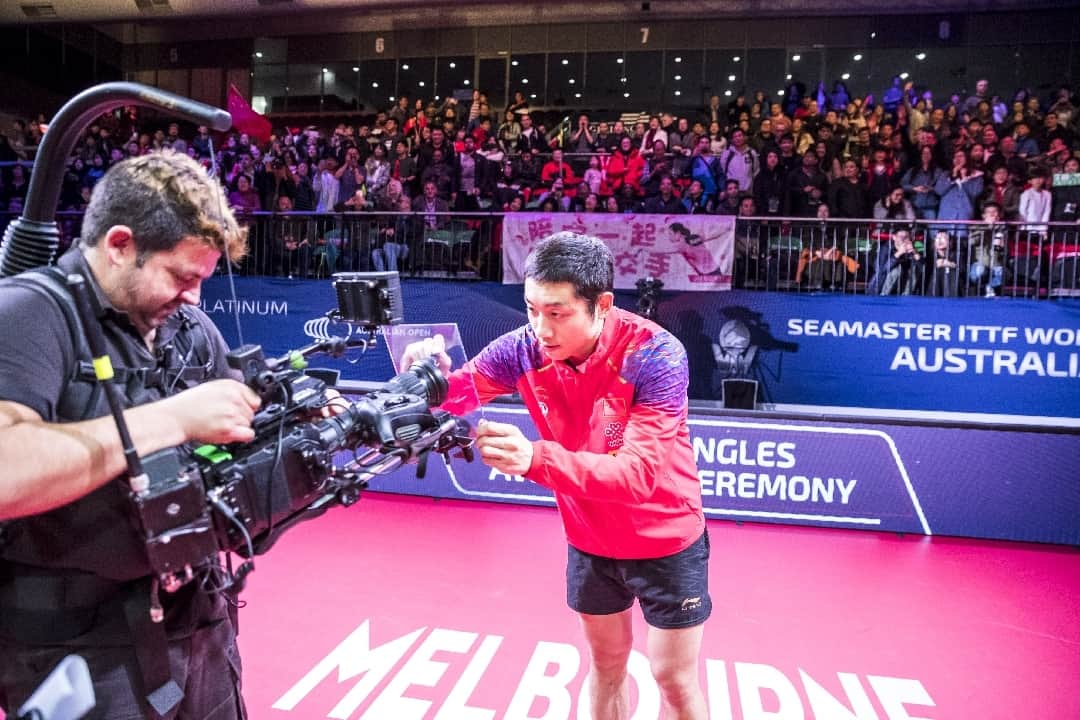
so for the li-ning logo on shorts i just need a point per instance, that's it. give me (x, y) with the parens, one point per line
(691, 604)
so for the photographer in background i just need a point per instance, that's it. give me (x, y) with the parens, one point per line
(74, 575)
(607, 391)
(986, 252)
(903, 266)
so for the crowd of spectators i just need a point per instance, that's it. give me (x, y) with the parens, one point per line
(818, 154)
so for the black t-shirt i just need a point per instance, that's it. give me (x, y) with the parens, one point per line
(37, 352)
(1066, 204)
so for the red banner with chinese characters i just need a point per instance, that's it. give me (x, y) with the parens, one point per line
(687, 252)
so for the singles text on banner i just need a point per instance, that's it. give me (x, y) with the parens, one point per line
(687, 252)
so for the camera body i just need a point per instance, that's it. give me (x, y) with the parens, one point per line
(649, 290)
(239, 498)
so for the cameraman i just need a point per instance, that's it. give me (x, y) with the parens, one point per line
(607, 391)
(74, 575)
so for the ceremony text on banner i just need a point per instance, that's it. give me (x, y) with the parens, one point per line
(686, 252)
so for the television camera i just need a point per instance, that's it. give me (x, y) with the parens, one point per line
(312, 449)
(649, 290)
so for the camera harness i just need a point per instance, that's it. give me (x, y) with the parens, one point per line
(47, 604)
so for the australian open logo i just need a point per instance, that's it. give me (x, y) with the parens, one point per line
(318, 328)
(324, 328)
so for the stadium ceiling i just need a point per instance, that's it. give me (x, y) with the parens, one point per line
(477, 12)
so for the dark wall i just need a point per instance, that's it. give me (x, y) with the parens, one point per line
(53, 61)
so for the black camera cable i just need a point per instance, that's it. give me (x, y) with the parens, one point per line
(227, 581)
(215, 173)
(189, 325)
(233, 581)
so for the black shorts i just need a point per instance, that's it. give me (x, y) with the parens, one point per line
(673, 591)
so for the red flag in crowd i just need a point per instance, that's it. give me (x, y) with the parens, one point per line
(247, 120)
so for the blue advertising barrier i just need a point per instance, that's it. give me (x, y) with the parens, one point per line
(1004, 356)
(1007, 484)
(996, 482)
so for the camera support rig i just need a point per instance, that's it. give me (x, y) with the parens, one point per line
(242, 497)
(190, 506)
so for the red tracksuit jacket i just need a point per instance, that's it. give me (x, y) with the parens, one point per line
(615, 446)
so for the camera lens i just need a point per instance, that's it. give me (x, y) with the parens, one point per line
(422, 379)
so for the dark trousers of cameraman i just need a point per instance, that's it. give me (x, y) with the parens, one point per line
(205, 663)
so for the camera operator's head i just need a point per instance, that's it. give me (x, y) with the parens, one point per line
(569, 283)
(154, 229)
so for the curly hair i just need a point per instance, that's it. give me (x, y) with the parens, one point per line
(164, 197)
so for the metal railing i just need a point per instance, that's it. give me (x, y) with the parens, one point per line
(946, 258)
(305, 245)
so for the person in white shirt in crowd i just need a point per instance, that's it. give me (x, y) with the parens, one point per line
(325, 184)
(1035, 203)
(740, 161)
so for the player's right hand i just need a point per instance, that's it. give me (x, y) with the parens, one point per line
(423, 349)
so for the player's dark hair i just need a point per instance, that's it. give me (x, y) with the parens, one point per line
(583, 261)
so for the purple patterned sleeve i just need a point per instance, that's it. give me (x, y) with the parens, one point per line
(660, 374)
(508, 357)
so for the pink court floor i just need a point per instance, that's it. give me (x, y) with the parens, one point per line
(406, 608)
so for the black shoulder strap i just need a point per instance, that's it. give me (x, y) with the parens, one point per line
(189, 356)
(50, 282)
(728, 157)
(47, 282)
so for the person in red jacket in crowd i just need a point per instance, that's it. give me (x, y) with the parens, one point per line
(557, 168)
(624, 168)
(607, 391)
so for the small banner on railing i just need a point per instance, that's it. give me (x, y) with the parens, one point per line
(686, 252)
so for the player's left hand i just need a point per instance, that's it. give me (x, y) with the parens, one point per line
(504, 447)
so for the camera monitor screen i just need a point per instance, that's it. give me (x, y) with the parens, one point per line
(369, 299)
